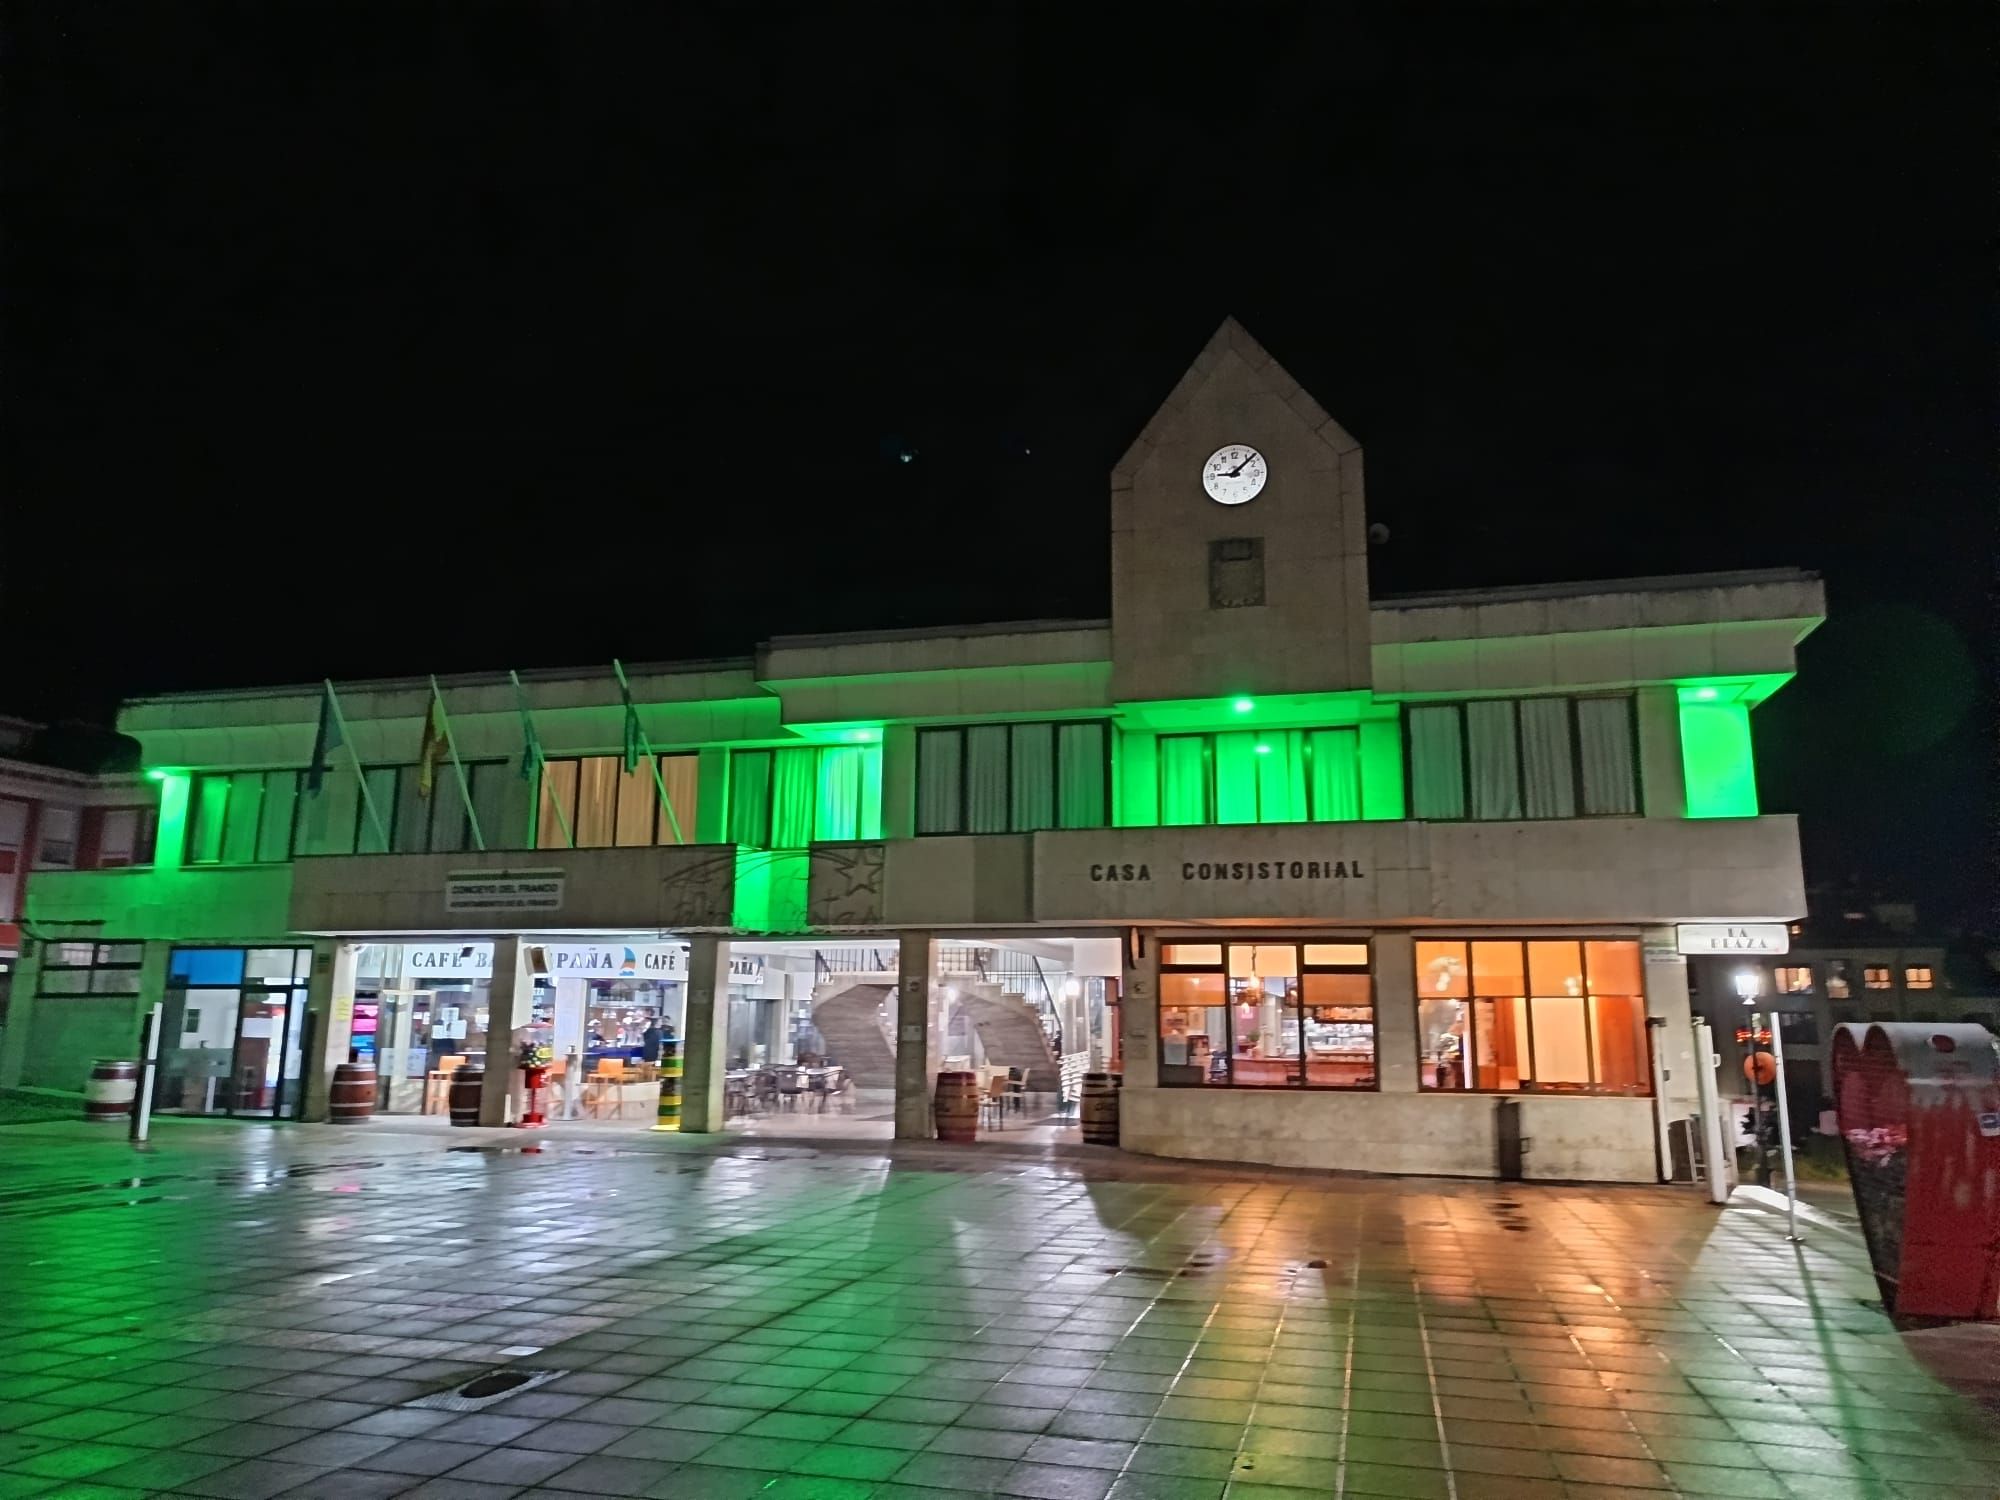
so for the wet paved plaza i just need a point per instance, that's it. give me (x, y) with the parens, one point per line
(247, 1312)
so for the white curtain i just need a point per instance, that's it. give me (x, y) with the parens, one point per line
(1080, 748)
(986, 778)
(1496, 760)
(1033, 776)
(937, 780)
(1437, 771)
(1604, 732)
(1548, 761)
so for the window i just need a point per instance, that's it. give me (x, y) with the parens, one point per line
(1561, 1015)
(1277, 776)
(1918, 977)
(1236, 572)
(125, 836)
(1012, 778)
(55, 839)
(1516, 758)
(242, 817)
(1794, 979)
(596, 803)
(786, 799)
(91, 968)
(1876, 977)
(13, 836)
(1267, 1015)
(1836, 979)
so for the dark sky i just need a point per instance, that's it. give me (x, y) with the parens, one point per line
(344, 340)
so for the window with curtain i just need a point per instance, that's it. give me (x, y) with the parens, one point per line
(603, 804)
(791, 797)
(1012, 778)
(1273, 776)
(242, 817)
(1510, 758)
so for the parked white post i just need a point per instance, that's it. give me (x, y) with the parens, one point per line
(1705, 1062)
(149, 1064)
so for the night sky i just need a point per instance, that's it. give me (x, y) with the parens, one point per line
(348, 340)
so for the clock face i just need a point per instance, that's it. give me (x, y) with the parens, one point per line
(1233, 474)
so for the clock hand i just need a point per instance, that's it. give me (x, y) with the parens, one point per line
(1237, 470)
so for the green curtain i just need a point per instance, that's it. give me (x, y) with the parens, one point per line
(1183, 778)
(750, 798)
(794, 795)
(211, 806)
(1336, 775)
(1236, 761)
(850, 792)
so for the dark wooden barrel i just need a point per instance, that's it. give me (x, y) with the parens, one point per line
(956, 1106)
(466, 1085)
(1100, 1109)
(110, 1090)
(352, 1096)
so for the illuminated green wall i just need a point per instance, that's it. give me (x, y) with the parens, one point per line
(1721, 772)
(171, 841)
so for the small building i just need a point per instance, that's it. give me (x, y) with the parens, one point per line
(1328, 877)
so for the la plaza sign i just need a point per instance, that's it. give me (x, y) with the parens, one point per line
(1697, 938)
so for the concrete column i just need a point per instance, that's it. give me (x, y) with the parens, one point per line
(918, 1041)
(509, 1002)
(1396, 1012)
(705, 1042)
(1667, 997)
(330, 1007)
(1139, 1014)
(1662, 775)
(21, 1007)
(899, 781)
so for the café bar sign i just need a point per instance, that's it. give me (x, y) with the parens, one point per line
(568, 961)
(1700, 939)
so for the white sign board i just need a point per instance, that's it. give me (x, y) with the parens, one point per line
(504, 890)
(571, 961)
(1699, 938)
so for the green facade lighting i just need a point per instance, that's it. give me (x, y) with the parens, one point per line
(170, 843)
(1244, 705)
(1720, 770)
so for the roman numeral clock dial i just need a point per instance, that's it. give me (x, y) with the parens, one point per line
(1233, 474)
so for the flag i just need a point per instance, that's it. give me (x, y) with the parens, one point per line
(635, 737)
(433, 747)
(326, 741)
(531, 744)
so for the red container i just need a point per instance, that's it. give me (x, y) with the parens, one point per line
(1919, 1109)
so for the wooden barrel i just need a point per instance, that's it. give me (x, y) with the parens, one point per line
(956, 1106)
(110, 1090)
(467, 1083)
(352, 1096)
(1100, 1109)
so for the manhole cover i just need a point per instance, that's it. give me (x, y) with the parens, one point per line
(484, 1390)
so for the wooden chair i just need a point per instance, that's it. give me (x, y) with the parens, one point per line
(437, 1082)
(993, 1102)
(606, 1084)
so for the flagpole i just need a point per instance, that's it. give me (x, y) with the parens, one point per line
(532, 745)
(354, 758)
(464, 786)
(659, 781)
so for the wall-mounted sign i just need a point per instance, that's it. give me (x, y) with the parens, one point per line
(504, 890)
(1700, 938)
(570, 961)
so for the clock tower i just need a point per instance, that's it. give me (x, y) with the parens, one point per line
(1239, 539)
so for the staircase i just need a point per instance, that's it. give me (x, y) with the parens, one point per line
(849, 1018)
(1010, 1031)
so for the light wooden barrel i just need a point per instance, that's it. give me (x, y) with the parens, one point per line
(1099, 1112)
(467, 1083)
(956, 1106)
(110, 1090)
(352, 1097)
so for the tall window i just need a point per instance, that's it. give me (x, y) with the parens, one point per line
(1514, 758)
(242, 817)
(1919, 977)
(56, 839)
(1793, 979)
(1267, 1015)
(1277, 776)
(125, 836)
(1012, 778)
(786, 799)
(1559, 1015)
(1876, 977)
(606, 806)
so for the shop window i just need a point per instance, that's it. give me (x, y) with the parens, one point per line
(1876, 977)
(789, 798)
(242, 817)
(70, 968)
(1792, 979)
(1267, 1015)
(1506, 758)
(593, 802)
(1919, 977)
(1277, 776)
(1012, 778)
(1545, 1015)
